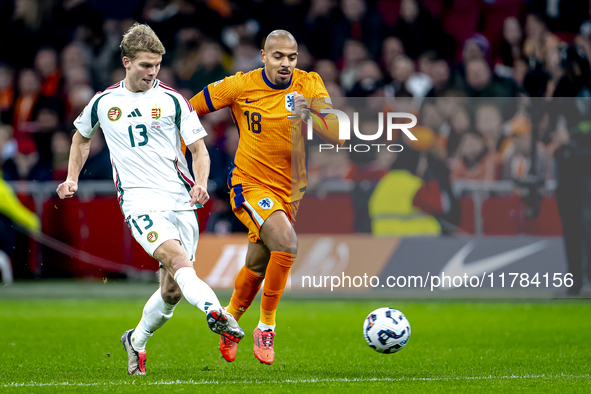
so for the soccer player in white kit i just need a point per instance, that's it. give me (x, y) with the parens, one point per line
(143, 121)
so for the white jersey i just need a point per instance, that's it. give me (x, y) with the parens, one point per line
(143, 132)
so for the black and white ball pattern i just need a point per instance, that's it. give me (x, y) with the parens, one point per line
(386, 330)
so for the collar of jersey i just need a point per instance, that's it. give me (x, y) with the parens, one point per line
(272, 85)
(127, 91)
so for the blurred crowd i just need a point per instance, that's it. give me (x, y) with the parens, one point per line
(436, 54)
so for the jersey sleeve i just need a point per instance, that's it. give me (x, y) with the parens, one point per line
(187, 121)
(327, 127)
(219, 94)
(87, 123)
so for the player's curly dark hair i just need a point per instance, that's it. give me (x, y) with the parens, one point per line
(140, 38)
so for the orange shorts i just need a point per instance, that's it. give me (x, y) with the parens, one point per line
(253, 204)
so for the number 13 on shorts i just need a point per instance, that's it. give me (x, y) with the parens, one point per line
(151, 229)
(145, 222)
(143, 229)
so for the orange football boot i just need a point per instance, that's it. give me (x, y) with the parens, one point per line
(263, 345)
(228, 348)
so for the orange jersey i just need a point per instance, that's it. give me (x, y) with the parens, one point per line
(273, 139)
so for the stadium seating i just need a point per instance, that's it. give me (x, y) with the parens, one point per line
(461, 21)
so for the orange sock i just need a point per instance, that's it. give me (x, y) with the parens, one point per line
(276, 278)
(246, 287)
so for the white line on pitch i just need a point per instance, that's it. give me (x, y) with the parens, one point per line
(256, 382)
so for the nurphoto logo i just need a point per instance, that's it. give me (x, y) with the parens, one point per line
(345, 131)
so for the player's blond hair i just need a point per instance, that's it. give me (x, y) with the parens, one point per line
(140, 38)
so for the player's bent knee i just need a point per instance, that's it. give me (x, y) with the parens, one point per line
(179, 262)
(172, 256)
(173, 264)
(287, 245)
(259, 267)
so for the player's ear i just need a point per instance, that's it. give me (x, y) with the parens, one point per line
(263, 55)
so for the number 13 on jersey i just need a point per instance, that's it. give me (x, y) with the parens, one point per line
(143, 133)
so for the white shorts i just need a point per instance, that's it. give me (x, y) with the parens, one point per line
(152, 229)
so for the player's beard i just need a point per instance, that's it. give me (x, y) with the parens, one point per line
(281, 82)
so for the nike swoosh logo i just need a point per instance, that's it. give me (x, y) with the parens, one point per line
(456, 266)
(270, 296)
(253, 101)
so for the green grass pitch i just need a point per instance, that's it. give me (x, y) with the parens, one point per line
(68, 342)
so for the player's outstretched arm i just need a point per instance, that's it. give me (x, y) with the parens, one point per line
(78, 155)
(201, 164)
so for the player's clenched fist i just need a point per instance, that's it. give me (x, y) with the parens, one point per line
(67, 189)
(199, 195)
(301, 106)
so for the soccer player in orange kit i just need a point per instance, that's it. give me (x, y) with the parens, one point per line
(268, 181)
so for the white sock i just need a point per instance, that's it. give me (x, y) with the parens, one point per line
(156, 313)
(265, 327)
(196, 291)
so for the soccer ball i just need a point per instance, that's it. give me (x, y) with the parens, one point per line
(386, 330)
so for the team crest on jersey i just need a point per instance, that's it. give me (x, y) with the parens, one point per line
(80, 116)
(114, 114)
(152, 237)
(265, 203)
(290, 102)
(156, 112)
